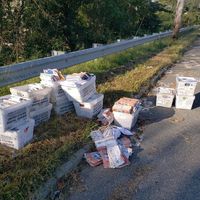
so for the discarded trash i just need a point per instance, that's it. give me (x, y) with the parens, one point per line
(41, 115)
(126, 105)
(115, 155)
(185, 88)
(105, 117)
(18, 137)
(14, 111)
(93, 158)
(113, 145)
(165, 97)
(126, 111)
(51, 75)
(62, 106)
(90, 107)
(79, 87)
(185, 85)
(39, 94)
(184, 102)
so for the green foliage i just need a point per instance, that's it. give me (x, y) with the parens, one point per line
(190, 14)
(32, 28)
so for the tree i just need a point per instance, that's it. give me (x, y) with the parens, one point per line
(177, 20)
(32, 28)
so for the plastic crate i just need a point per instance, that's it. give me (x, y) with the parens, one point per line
(63, 105)
(64, 108)
(41, 115)
(13, 111)
(185, 85)
(126, 120)
(91, 107)
(18, 137)
(56, 92)
(79, 92)
(184, 102)
(37, 92)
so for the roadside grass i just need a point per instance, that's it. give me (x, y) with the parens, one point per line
(101, 66)
(21, 172)
(131, 82)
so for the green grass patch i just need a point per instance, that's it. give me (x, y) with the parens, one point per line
(101, 66)
(22, 172)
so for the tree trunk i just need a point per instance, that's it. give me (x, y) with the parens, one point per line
(177, 20)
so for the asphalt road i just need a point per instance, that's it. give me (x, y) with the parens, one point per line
(167, 166)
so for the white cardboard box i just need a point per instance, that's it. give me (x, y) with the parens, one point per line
(165, 97)
(185, 85)
(184, 102)
(91, 107)
(164, 100)
(126, 120)
(18, 137)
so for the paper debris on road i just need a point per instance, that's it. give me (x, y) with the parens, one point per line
(114, 146)
(93, 158)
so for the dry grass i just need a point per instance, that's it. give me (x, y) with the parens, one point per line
(131, 82)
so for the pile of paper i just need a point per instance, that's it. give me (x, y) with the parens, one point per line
(114, 147)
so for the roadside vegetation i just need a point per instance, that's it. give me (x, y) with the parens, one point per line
(31, 29)
(123, 74)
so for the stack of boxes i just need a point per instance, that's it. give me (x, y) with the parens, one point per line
(126, 111)
(40, 109)
(16, 128)
(185, 89)
(52, 78)
(81, 90)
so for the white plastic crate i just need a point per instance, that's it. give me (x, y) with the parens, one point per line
(64, 108)
(62, 105)
(165, 97)
(37, 92)
(13, 111)
(56, 90)
(126, 120)
(41, 115)
(79, 91)
(91, 107)
(185, 85)
(184, 102)
(18, 137)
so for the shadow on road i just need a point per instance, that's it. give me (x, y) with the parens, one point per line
(196, 101)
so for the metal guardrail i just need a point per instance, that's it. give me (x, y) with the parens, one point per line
(22, 71)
